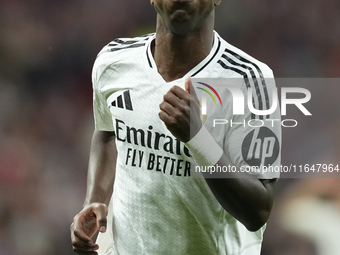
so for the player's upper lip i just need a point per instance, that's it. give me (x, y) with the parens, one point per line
(181, 1)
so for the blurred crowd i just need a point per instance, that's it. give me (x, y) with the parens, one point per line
(47, 50)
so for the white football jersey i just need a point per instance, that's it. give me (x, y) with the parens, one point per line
(157, 207)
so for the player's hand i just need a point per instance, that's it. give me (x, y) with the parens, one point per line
(180, 112)
(85, 224)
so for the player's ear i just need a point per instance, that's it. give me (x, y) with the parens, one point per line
(217, 2)
(151, 2)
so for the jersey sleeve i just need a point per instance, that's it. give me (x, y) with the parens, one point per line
(254, 141)
(101, 110)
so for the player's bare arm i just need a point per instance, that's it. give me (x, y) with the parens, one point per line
(92, 217)
(245, 197)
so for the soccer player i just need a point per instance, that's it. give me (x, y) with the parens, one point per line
(143, 142)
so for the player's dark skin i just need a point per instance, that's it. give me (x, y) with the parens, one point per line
(184, 37)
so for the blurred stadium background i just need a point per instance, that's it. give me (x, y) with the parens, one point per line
(47, 49)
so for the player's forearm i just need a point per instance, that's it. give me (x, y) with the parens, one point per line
(245, 197)
(102, 165)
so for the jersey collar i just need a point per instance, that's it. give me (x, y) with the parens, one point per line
(198, 68)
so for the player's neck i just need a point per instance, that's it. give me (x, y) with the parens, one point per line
(177, 55)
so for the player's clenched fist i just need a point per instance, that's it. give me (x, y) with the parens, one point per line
(180, 112)
(85, 224)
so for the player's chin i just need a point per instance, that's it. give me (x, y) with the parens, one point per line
(180, 16)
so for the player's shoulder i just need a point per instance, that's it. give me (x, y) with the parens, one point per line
(125, 45)
(120, 50)
(243, 59)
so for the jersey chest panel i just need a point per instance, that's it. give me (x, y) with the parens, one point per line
(144, 144)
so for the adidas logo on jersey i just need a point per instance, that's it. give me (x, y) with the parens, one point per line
(123, 101)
